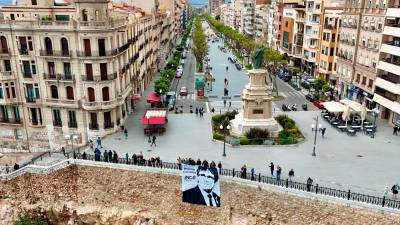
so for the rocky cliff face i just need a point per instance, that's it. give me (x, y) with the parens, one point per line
(86, 195)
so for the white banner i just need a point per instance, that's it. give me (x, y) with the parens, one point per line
(201, 185)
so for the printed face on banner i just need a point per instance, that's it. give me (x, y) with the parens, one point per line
(200, 185)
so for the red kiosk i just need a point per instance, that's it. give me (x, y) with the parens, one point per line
(155, 119)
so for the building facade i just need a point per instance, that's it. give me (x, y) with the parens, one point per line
(73, 69)
(328, 47)
(387, 84)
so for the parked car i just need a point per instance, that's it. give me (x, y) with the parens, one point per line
(318, 104)
(238, 66)
(287, 78)
(230, 59)
(310, 97)
(183, 91)
(178, 75)
(184, 55)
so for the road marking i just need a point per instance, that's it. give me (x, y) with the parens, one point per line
(283, 94)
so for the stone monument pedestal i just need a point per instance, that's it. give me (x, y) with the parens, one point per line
(256, 111)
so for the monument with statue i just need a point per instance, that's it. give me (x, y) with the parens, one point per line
(256, 109)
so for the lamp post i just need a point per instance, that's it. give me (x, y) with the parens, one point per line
(72, 138)
(224, 128)
(315, 127)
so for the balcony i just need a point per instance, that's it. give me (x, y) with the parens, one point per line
(99, 78)
(393, 11)
(53, 53)
(385, 83)
(329, 27)
(30, 99)
(108, 125)
(390, 66)
(392, 30)
(93, 126)
(58, 77)
(23, 51)
(94, 54)
(391, 48)
(72, 124)
(67, 103)
(57, 123)
(10, 121)
(7, 75)
(100, 105)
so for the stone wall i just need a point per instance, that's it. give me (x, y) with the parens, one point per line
(113, 196)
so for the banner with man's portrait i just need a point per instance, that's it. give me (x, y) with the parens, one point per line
(201, 185)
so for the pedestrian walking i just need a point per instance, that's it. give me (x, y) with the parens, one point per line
(126, 133)
(110, 156)
(323, 131)
(220, 167)
(224, 103)
(395, 130)
(243, 172)
(227, 68)
(278, 172)
(309, 184)
(230, 104)
(253, 171)
(115, 157)
(213, 165)
(91, 146)
(7, 168)
(99, 142)
(63, 150)
(197, 111)
(198, 162)
(127, 158)
(272, 168)
(153, 141)
(395, 190)
(213, 110)
(291, 174)
(386, 192)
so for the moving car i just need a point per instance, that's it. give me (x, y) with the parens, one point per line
(183, 91)
(178, 75)
(230, 59)
(318, 104)
(310, 97)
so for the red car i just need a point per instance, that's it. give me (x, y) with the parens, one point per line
(318, 104)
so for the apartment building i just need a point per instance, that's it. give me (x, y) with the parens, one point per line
(213, 6)
(261, 16)
(246, 10)
(277, 25)
(270, 23)
(72, 69)
(328, 47)
(387, 84)
(292, 30)
(311, 35)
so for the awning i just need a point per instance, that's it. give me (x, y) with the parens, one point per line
(334, 107)
(154, 120)
(355, 106)
(394, 106)
(153, 98)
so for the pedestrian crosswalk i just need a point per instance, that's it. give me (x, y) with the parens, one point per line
(291, 94)
(188, 97)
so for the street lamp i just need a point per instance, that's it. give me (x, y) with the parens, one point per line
(72, 138)
(315, 127)
(224, 129)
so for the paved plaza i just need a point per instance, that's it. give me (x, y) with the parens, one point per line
(358, 163)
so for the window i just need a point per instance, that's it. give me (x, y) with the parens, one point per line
(67, 70)
(358, 78)
(364, 81)
(330, 67)
(4, 113)
(72, 119)
(333, 37)
(7, 65)
(1, 91)
(54, 91)
(317, 6)
(51, 69)
(26, 69)
(91, 95)
(286, 23)
(37, 93)
(17, 116)
(89, 71)
(332, 52)
(370, 83)
(93, 121)
(57, 118)
(70, 92)
(62, 17)
(107, 120)
(105, 93)
(13, 93)
(48, 45)
(34, 2)
(4, 45)
(64, 47)
(313, 54)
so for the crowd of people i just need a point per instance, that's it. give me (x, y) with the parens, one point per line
(204, 163)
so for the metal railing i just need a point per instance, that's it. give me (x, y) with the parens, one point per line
(285, 183)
